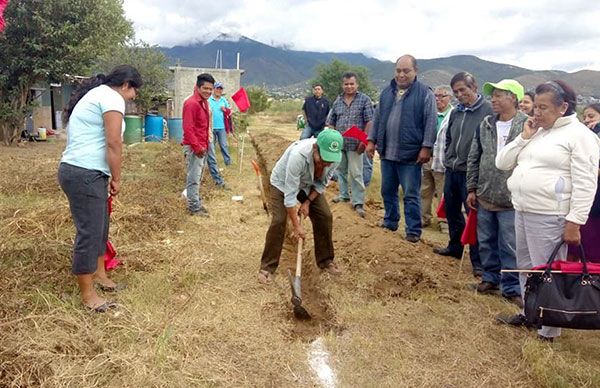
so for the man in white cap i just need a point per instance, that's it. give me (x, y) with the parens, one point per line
(300, 175)
(488, 192)
(218, 106)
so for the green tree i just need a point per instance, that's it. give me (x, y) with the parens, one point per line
(259, 100)
(330, 76)
(46, 39)
(152, 65)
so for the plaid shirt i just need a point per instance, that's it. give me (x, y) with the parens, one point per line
(343, 117)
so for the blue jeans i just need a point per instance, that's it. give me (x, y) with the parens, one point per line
(213, 168)
(496, 236)
(367, 169)
(455, 197)
(220, 136)
(394, 174)
(194, 166)
(306, 132)
(351, 167)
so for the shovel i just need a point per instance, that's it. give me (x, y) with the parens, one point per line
(299, 311)
(263, 197)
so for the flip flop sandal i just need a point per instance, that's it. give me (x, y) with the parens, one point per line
(104, 307)
(118, 287)
(265, 277)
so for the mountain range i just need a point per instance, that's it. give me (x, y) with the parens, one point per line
(280, 67)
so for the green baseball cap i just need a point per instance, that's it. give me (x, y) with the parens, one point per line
(510, 85)
(330, 143)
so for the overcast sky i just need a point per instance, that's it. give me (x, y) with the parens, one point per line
(536, 34)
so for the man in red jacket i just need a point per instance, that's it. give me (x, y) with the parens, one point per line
(196, 122)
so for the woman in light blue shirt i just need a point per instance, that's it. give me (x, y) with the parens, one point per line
(90, 164)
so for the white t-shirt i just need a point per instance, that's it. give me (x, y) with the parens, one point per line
(86, 139)
(502, 130)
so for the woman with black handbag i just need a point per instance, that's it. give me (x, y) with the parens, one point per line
(555, 162)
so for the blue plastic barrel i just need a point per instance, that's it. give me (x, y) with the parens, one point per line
(153, 128)
(175, 129)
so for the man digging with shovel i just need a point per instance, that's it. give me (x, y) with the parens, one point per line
(300, 175)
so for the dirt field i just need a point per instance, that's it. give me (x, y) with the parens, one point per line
(194, 315)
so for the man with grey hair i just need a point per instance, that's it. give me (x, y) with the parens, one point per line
(404, 132)
(433, 171)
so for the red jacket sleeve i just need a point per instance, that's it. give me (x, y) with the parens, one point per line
(195, 126)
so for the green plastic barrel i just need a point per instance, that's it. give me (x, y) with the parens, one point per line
(133, 130)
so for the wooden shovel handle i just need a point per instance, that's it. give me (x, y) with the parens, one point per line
(299, 253)
(299, 258)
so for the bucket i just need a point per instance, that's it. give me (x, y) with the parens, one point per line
(241, 100)
(175, 129)
(133, 130)
(41, 133)
(153, 128)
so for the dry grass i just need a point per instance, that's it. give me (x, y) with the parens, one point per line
(193, 314)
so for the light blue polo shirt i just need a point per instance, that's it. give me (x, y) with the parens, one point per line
(86, 140)
(218, 118)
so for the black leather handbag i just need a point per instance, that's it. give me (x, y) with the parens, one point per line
(569, 300)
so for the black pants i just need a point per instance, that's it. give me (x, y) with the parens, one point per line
(455, 197)
(322, 223)
(87, 192)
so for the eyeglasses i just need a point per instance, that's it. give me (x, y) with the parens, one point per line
(441, 95)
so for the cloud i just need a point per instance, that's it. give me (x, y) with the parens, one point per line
(538, 34)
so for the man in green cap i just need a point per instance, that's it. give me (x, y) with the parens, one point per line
(300, 176)
(489, 193)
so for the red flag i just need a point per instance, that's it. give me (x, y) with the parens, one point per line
(469, 235)
(3, 5)
(440, 212)
(110, 257)
(241, 100)
(356, 133)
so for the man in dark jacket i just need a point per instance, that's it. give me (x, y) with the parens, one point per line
(464, 120)
(489, 193)
(316, 109)
(404, 132)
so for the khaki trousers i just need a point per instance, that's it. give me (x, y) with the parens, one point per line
(431, 184)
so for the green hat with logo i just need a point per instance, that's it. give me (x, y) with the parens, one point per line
(510, 85)
(330, 143)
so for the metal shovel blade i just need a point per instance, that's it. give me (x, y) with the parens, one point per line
(299, 311)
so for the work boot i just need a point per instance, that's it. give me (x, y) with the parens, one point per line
(339, 199)
(360, 210)
(202, 212)
(384, 226)
(447, 252)
(487, 288)
(518, 320)
(412, 238)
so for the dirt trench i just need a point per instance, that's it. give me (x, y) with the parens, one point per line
(375, 261)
